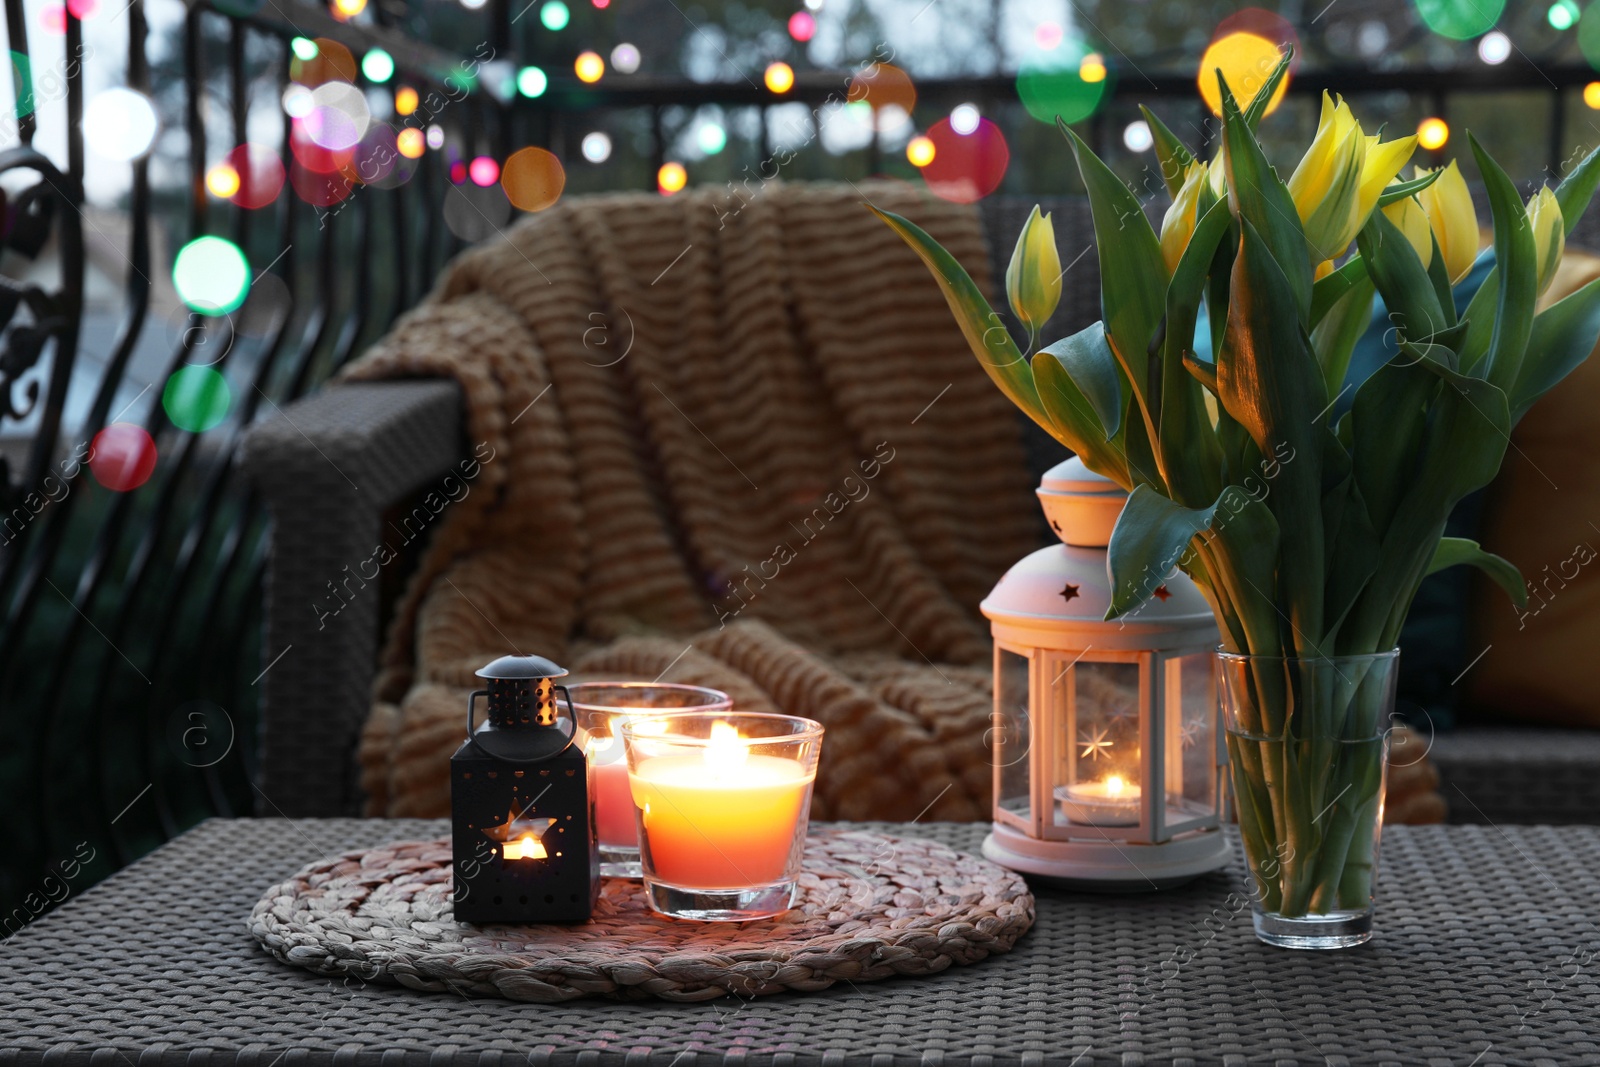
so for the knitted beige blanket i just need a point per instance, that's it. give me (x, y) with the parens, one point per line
(731, 441)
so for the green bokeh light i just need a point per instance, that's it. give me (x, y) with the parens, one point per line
(304, 48)
(196, 398)
(1563, 14)
(555, 15)
(1589, 35)
(532, 82)
(1049, 85)
(378, 66)
(212, 275)
(1460, 20)
(712, 138)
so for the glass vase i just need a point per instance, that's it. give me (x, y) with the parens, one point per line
(1308, 746)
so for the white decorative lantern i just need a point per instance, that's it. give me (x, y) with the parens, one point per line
(1108, 759)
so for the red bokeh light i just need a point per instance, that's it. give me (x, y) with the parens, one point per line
(260, 175)
(458, 172)
(318, 189)
(312, 156)
(83, 9)
(802, 26)
(122, 457)
(966, 168)
(53, 19)
(484, 171)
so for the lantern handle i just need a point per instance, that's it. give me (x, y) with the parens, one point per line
(472, 702)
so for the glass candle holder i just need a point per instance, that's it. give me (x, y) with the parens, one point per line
(602, 708)
(722, 801)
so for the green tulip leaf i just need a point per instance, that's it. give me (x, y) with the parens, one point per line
(1439, 275)
(1150, 537)
(1400, 190)
(1515, 261)
(1257, 108)
(1087, 360)
(985, 332)
(1563, 336)
(1453, 551)
(1171, 154)
(1577, 189)
(1334, 338)
(1186, 446)
(1397, 271)
(1074, 422)
(1330, 289)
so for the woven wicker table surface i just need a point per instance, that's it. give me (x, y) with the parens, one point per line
(1486, 952)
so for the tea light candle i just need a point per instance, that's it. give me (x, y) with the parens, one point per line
(722, 817)
(1111, 801)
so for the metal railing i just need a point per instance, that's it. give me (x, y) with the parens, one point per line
(130, 621)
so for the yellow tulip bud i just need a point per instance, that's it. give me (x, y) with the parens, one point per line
(1549, 234)
(1326, 185)
(1177, 225)
(1448, 205)
(1381, 166)
(1412, 221)
(1033, 280)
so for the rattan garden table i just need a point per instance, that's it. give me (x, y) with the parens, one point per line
(1486, 952)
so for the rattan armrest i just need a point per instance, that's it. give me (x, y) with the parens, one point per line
(328, 465)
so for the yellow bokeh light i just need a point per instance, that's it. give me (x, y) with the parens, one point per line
(222, 180)
(405, 100)
(348, 9)
(411, 143)
(589, 67)
(1433, 133)
(1245, 61)
(1093, 68)
(533, 178)
(671, 178)
(780, 77)
(920, 151)
(1591, 95)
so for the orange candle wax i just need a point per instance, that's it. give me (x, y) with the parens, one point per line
(720, 820)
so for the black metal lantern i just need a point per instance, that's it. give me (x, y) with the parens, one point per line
(521, 803)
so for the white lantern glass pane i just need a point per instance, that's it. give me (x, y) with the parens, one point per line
(1011, 731)
(1098, 761)
(1191, 742)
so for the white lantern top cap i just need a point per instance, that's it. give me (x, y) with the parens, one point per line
(1074, 476)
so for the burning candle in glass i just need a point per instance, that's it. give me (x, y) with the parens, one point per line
(602, 708)
(722, 801)
(1109, 801)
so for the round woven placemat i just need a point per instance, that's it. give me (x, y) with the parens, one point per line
(871, 906)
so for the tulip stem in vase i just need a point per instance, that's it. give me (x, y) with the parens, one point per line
(1307, 502)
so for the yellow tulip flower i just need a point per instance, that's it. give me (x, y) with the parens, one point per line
(1412, 221)
(1177, 225)
(1549, 235)
(1336, 185)
(1033, 279)
(1448, 205)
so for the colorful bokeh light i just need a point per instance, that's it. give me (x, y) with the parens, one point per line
(625, 58)
(1433, 133)
(1065, 82)
(1460, 20)
(410, 143)
(966, 167)
(211, 275)
(1092, 68)
(533, 179)
(484, 171)
(802, 26)
(378, 66)
(883, 85)
(405, 100)
(344, 10)
(83, 10)
(260, 174)
(319, 188)
(532, 82)
(304, 49)
(920, 151)
(711, 138)
(1591, 95)
(589, 67)
(671, 178)
(1246, 60)
(119, 124)
(964, 119)
(1563, 14)
(779, 78)
(196, 398)
(1048, 36)
(596, 147)
(554, 15)
(222, 181)
(122, 457)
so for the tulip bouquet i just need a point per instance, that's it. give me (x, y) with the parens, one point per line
(1307, 507)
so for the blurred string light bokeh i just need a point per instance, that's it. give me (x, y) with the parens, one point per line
(959, 98)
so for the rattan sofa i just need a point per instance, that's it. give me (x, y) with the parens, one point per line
(335, 466)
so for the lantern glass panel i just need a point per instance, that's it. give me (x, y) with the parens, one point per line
(1012, 730)
(1191, 742)
(1098, 756)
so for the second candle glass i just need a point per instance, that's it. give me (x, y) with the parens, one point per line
(602, 708)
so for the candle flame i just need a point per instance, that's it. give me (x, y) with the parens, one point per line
(527, 847)
(727, 749)
(1115, 786)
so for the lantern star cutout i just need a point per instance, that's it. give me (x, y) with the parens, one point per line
(1162, 593)
(1188, 733)
(1097, 744)
(1069, 592)
(520, 839)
